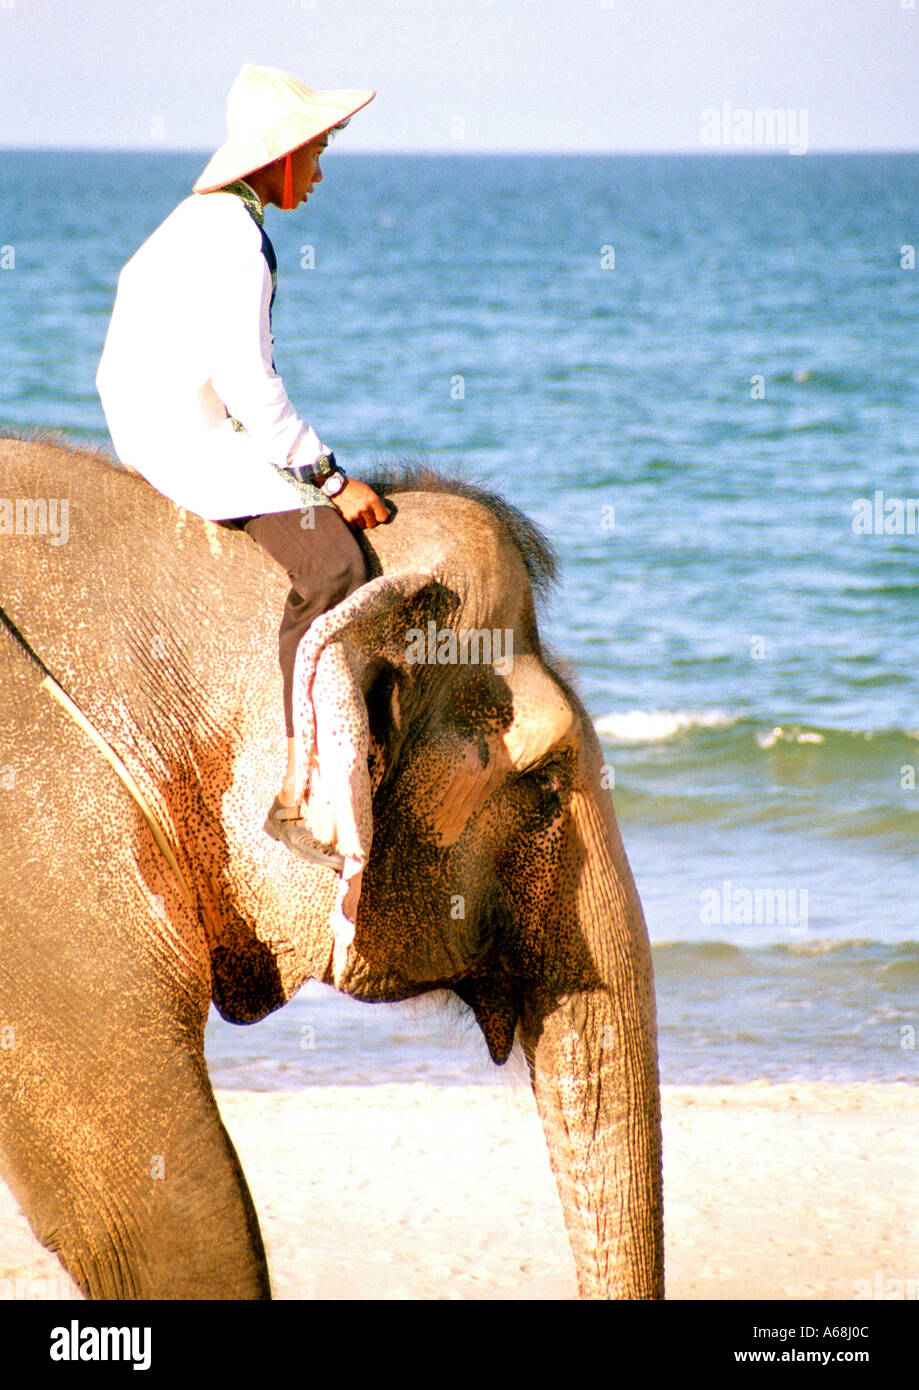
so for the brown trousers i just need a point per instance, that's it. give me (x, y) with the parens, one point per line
(324, 564)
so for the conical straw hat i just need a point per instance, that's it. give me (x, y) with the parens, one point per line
(270, 113)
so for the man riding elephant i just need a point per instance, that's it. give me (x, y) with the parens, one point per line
(189, 387)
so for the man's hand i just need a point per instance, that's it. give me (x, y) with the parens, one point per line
(359, 505)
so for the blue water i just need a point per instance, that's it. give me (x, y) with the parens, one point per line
(691, 417)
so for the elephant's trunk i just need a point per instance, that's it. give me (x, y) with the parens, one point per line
(593, 1063)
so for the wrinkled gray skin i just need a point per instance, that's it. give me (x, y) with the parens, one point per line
(163, 628)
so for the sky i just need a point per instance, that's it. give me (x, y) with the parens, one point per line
(556, 76)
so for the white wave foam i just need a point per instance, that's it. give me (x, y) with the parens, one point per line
(780, 735)
(653, 726)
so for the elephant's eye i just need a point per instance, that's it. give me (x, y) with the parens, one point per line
(547, 780)
(543, 777)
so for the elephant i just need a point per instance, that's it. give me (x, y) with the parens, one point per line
(484, 785)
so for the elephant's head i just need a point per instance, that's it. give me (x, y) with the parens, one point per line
(495, 867)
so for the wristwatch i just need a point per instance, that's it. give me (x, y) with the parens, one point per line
(332, 480)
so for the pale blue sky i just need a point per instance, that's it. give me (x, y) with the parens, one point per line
(552, 75)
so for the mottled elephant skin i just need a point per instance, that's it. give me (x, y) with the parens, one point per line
(495, 868)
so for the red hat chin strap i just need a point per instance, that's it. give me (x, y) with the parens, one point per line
(288, 200)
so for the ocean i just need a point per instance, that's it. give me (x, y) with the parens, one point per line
(698, 375)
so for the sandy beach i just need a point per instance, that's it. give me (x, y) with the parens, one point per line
(417, 1192)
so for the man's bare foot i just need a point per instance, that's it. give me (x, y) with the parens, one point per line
(285, 823)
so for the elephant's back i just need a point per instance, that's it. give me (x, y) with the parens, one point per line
(98, 570)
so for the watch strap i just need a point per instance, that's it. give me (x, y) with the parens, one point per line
(332, 485)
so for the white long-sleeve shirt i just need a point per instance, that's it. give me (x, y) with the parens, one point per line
(188, 350)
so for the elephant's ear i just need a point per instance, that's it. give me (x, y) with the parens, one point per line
(332, 731)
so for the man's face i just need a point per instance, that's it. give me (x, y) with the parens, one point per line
(305, 168)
